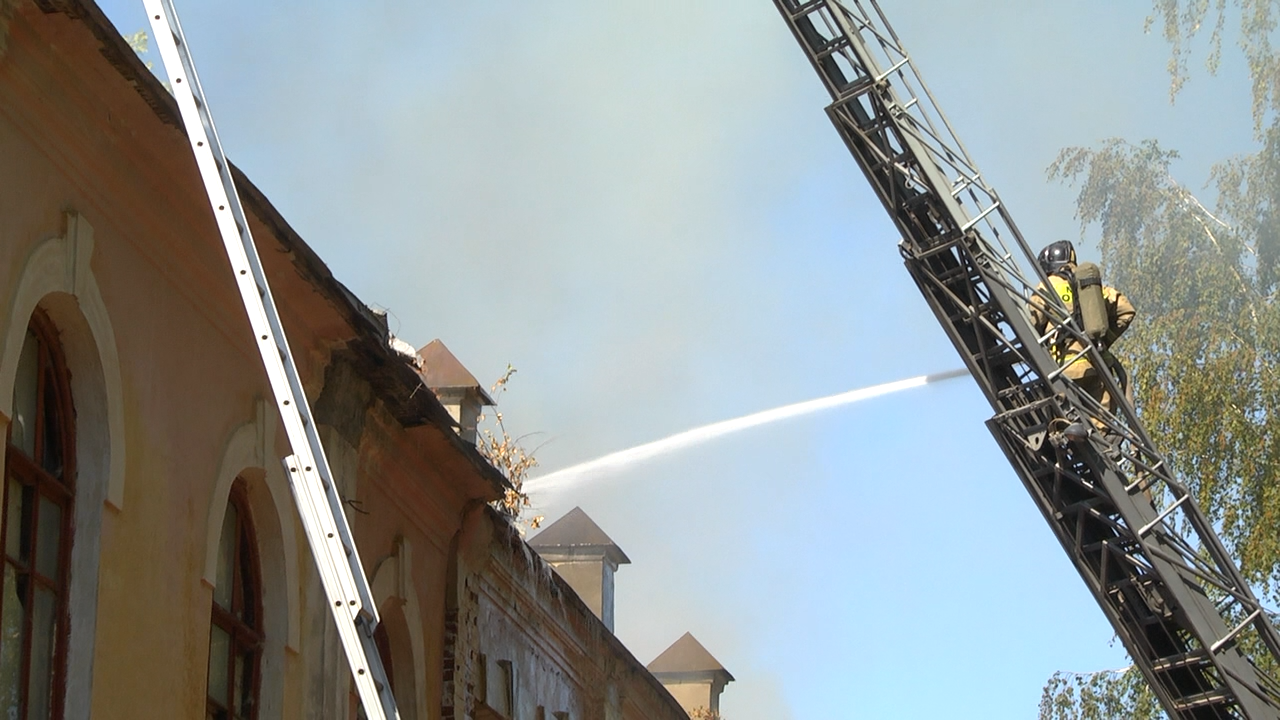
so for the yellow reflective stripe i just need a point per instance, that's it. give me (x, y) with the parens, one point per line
(1062, 350)
(1063, 288)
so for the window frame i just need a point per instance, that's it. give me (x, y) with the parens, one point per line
(51, 366)
(243, 637)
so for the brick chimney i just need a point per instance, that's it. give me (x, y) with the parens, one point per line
(585, 557)
(692, 676)
(458, 390)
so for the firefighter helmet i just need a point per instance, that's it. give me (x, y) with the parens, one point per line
(1057, 255)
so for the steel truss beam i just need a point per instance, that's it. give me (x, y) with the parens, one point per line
(1151, 559)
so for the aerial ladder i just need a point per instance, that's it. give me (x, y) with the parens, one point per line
(314, 491)
(1132, 529)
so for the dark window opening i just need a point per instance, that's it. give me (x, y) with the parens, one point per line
(235, 632)
(36, 519)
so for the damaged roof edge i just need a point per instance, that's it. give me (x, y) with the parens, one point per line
(520, 549)
(120, 56)
(396, 384)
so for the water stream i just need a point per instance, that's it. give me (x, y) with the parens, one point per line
(573, 475)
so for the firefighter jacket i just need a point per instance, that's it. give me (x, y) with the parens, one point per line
(1063, 346)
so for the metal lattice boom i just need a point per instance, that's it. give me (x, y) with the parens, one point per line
(1152, 560)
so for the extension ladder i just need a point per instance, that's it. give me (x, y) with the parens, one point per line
(1151, 559)
(314, 490)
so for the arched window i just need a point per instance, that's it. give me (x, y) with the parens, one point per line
(37, 514)
(235, 632)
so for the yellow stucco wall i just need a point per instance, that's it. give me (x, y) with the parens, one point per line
(75, 136)
(104, 223)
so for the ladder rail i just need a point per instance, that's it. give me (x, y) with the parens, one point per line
(310, 477)
(1146, 551)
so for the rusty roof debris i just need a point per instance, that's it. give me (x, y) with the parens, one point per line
(405, 350)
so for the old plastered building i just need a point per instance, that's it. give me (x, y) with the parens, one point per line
(153, 563)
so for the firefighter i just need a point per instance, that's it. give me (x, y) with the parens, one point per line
(1101, 311)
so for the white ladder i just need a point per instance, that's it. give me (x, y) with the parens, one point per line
(314, 490)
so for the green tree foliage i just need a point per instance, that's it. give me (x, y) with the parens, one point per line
(1204, 350)
(1183, 21)
(1099, 696)
(138, 41)
(1204, 354)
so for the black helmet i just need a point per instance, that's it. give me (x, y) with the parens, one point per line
(1056, 255)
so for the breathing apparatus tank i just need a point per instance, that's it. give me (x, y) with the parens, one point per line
(1093, 307)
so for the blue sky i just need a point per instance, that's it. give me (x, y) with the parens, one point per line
(643, 207)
